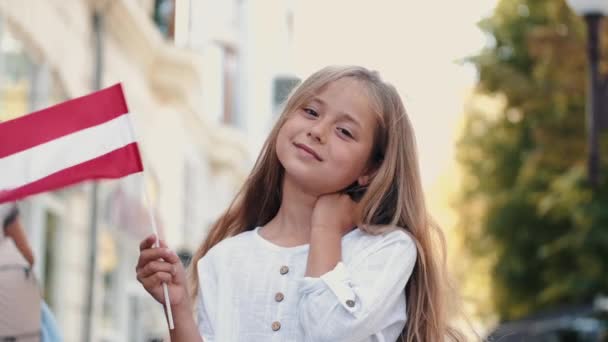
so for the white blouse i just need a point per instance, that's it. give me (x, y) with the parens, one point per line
(253, 290)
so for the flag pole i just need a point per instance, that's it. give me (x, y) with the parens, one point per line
(156, 245)
(148, 204)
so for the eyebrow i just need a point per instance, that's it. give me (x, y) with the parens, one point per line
(346, 115)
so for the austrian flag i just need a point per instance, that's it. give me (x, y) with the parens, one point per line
(86, 138)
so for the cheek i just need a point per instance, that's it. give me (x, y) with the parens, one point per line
(285, 131)
(284, 138)
(288, 129)
(350, 160)
(280, 143)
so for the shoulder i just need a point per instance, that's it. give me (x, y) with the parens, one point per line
(402, 236)
(227, 248)
(232, 244)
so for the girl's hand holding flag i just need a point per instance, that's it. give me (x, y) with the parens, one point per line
(161, 267)
(83, 139)
(158, 265)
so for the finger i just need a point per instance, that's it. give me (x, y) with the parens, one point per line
(154, 267)
(163, 244)
(171, 257)
(148, 255)
(156, 279)
(152, 254)
(147, 242)
(358, 213)
(346, 197)
(161, 277)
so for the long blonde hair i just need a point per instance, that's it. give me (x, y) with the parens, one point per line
(394, 197)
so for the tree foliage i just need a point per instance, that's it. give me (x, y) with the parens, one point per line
(525, 201)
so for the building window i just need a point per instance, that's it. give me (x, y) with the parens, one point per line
(25, 84)
(14, 75)
(282, 87)
(229, 70)
(164, 17)
(190, 200)
(50, 258)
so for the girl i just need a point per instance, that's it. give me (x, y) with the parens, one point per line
(328, 239)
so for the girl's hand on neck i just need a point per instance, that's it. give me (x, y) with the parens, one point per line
(334, 214)
(332, 217)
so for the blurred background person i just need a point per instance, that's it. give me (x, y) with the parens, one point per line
(31, 311)
(13, 229)
(19, 292)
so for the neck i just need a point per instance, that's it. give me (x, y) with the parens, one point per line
(292, 222)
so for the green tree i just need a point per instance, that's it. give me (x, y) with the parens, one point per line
(525, 202)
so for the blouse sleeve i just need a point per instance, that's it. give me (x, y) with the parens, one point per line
(206, 293)
(352, 303)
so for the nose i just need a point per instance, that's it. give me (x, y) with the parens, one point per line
(318, 131)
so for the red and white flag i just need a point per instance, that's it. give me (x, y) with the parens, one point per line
(86, 138)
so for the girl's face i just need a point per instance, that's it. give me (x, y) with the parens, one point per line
(325, 145)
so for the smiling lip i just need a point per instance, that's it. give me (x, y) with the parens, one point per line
(309, 150)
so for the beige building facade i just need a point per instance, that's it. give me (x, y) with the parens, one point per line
(194, 163)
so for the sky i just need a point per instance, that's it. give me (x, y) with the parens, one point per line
(416, 45)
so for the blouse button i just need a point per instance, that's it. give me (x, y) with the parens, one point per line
(350, 303)
(279, 297)
(284, 270)
(276, 326)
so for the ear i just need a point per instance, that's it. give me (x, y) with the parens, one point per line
(363, 180)
(367, 177)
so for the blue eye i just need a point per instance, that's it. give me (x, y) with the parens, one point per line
(311, 112)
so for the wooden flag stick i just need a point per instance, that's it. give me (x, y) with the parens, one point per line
(156, 245)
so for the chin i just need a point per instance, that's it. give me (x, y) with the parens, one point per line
(314, 184)
(310, 178)
(304, 179)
